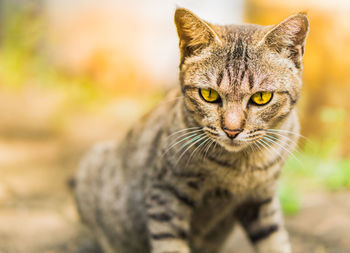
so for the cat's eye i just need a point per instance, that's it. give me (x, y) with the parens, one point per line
(261, 98)
(209, 95)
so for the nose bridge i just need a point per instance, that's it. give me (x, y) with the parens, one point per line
(233, 117)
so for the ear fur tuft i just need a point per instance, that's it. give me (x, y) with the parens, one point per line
(288, 37)
(194, 33)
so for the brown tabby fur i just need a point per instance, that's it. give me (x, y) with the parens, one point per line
(177, 182)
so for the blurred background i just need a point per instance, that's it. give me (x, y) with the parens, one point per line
(76, 72)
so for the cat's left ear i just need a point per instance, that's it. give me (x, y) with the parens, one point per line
(288, 38)
(194, 33)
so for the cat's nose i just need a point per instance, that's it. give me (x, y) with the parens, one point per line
(232, 133)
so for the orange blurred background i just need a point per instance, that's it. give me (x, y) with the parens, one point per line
(76, 72)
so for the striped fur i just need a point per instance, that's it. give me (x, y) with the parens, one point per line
(177, 183)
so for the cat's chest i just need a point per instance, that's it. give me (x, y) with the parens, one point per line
(217, 205)
(216, 211)
(243, 179)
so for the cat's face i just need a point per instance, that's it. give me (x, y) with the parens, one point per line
(240, 81)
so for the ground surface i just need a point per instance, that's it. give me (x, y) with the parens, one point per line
(37, 213)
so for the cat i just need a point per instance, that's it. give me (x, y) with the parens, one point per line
(211, 156)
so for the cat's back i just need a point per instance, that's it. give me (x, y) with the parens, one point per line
(89, 177)
(108, 165)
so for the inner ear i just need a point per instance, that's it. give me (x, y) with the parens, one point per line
(288, 38)
(194, 33)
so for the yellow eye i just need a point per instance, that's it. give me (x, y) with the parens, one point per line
(261, 98)
(209, 95)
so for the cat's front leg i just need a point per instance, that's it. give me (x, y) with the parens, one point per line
(264, 225)
(169, 210)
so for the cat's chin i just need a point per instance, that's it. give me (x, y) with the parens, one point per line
(234, 147)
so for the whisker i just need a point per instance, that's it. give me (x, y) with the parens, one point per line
(245, 150)
(184, 134)
(284, 136)
(251, 148)
(194, 151)
(256, 145)
(263, 146)
(279, 144)
(207, 150)
(283, 147)
(173, 144)
(190, 141)
(194, 143)
(284, 142)
(287, 131)
(202, 150)
(196, 137)
(272, 148)
(182, 130)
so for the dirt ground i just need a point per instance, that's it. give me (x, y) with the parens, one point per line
(37, 212)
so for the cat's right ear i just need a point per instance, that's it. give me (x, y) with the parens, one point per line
(288, 37)
(194, 33)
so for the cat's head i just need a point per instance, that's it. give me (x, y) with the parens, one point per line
(239, 81)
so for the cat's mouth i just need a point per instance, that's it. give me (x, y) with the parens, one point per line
(241, 141)
(238, 145)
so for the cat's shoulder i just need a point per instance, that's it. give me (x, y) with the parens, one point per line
(96, 156)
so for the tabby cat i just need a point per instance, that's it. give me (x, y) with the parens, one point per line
(211, 155)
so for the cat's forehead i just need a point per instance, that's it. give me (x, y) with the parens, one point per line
(248, 33)
(238, 66)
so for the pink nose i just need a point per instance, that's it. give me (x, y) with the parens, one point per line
(232, 133)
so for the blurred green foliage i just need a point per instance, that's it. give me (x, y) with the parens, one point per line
(319, 164)
(25, 60)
